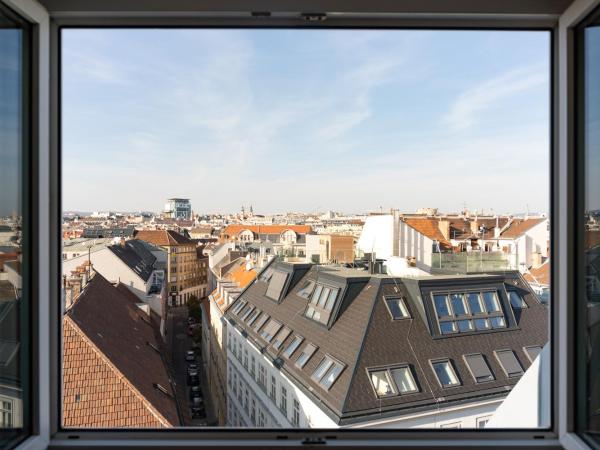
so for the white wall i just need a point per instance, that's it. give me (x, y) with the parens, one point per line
(377, 236)
(412, 243)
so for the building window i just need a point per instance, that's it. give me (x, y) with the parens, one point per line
(293, 346)
(281, 337)
(283, 401)
(532, 352)
(273, 393)
(252, 366)
(6, 414)
(482, 421)
(516, 300)
(276, 285)
(479, 368)
(509, 363)
(262, 376)
(445, 373)
(390, 381)
(321, 303)
(246, 358)
(327, 372)
(397, 307)
(261, 418)
(307, 352)
(468, 311)
(296, 413)
(253, 412)
(270, 330)
(306, 289)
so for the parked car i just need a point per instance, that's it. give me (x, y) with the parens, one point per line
(190, 355)
(193, 378)
(195, 393)
(198, 412)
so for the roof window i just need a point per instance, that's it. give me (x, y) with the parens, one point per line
(445, 373)
(479, 368)
(327, 372)
(509, 362)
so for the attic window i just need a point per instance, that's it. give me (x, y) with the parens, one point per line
(509, 362)
(328, 371)
(309, 350)
(462, 312)
(263, 318)
(291, 348)
(321, 303)
(397, 307)
(253, 316)
(516, 300)
(392, 381)
(532, 352)
(479, 368)
(276, 285)
(306, 289)
(281, 337)
(248, 312)
(270, 330)
(445, 373)
(237, 308)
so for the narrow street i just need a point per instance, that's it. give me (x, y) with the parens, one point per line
(179, 343)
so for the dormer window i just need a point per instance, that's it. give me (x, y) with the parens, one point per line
(516, 301)
(328, 371)
(321, 303)
(463, 312)
(397, 307)
(391, 381)
(307, 289)
(276, 285)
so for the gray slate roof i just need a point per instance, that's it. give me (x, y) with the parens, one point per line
(136, 256)
(363, 335)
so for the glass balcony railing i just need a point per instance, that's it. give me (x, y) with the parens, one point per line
(466, 262)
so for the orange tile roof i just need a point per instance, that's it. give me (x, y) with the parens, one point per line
(519, 226)
(429, 228)
(163, 238)
(232, 230)
(540, 274)
(242, 276)
(95, 392)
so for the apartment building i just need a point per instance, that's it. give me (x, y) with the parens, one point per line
(288, 241)
(178, 208)
(329, 248)
(183, 268)
(133, 264)
(230, 284)
(113, 372)
(313, 346)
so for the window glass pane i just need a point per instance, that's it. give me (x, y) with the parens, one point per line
(14, 228)
(293, 346)
(382, 384)
(516, 300)
(316, 294)
(404, 380)
(482, 324)
(448, 327)
(331, 299)
(397, 308)
(491, 301)
(458, 304)
(475, 305)
(332, 375)
(322, 368)
(465, 325)
(445, 373)
(498, 322)
(323, 297)
(441, 305)
(509, 363)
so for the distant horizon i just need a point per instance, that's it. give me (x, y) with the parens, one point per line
(319, 119)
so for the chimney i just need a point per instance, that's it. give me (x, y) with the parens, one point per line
(474, 227)
(444, 226)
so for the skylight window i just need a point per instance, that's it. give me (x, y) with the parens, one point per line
(306, 289)
(248, 312)
(327, 372)
(532, 352)
(270, 330)
(479, 368)
(260, 322)
(309, 350)
(509, 362)
(464, 312)
(281, 337)
(390, 381)
(291, 348)
(516, 300)
(253, 316)
(237, 308)
(276, 285)
(397, 307)
(321, 303)
(445, 373)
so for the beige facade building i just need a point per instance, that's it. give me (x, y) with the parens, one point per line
(184, 269)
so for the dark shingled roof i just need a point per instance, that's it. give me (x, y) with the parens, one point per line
(136, 256)
(126, 337)
(363, 335)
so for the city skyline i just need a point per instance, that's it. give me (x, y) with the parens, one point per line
(306, 120)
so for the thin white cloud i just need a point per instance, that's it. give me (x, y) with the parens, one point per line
(474, 101)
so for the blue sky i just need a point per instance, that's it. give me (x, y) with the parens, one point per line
(305, 120)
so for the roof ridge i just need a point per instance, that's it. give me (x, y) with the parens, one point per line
(118, 373)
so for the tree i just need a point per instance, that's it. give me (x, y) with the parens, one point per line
(194, 310)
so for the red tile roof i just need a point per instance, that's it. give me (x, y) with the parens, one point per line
(519, 226)
(429, 228)
(232, 230)
(111, 367)
(539, 275)
(163, 238)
